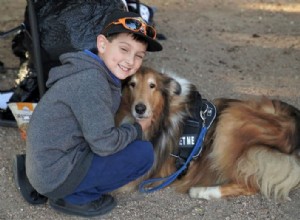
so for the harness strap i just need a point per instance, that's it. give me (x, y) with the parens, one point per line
(191, 130)
(187, 142)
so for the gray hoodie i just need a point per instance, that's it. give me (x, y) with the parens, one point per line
(73, 121)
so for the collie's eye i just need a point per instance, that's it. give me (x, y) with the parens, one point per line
(132, 84)
(152, 85)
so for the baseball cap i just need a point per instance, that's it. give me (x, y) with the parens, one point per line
(111, 28)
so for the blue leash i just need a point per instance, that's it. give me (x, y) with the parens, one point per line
(169, 179)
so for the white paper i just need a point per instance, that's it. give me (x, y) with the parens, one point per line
(4, 98)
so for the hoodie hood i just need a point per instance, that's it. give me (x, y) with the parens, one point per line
(76, 62)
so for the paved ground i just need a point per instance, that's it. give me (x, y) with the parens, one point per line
(233, 48)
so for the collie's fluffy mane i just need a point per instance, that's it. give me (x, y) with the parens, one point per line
(178, 110)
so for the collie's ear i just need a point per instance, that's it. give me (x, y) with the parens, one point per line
(175, 87)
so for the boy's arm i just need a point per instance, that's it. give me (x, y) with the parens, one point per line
(93, 112)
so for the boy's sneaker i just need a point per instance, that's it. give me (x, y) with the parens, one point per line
(100, 206)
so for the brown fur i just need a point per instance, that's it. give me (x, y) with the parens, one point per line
(252, 146)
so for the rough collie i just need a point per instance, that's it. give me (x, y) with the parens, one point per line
(251, 147)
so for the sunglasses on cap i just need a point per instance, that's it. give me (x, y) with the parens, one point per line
(135, 25)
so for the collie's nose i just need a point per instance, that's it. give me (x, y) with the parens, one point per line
(140, 108)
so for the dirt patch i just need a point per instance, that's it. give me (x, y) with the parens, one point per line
(234, 48)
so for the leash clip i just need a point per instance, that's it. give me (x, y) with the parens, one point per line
(203, 114)
(208, 114)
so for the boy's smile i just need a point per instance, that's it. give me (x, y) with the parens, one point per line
(123, 55)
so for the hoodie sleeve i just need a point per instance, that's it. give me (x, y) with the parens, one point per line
(93, 109)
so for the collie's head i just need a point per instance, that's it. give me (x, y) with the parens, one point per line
(164, 98)
(147, 94)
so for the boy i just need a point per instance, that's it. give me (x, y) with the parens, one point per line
(75, 154)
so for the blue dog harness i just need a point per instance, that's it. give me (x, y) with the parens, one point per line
(190, 143)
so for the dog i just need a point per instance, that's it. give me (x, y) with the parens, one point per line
(251, 147)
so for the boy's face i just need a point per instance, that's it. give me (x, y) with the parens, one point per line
(123, 55)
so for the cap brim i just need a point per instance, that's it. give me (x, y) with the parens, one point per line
(153, 45)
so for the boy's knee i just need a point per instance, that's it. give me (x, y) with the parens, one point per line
(143, 153)
(149, 153)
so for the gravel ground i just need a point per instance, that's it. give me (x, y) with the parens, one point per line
(231, 48)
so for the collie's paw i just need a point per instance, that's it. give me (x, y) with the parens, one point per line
(205, 193)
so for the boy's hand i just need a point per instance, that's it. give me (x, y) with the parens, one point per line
(128, 120)
(145, 123)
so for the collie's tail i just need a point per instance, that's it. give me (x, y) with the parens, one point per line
(274, 173)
